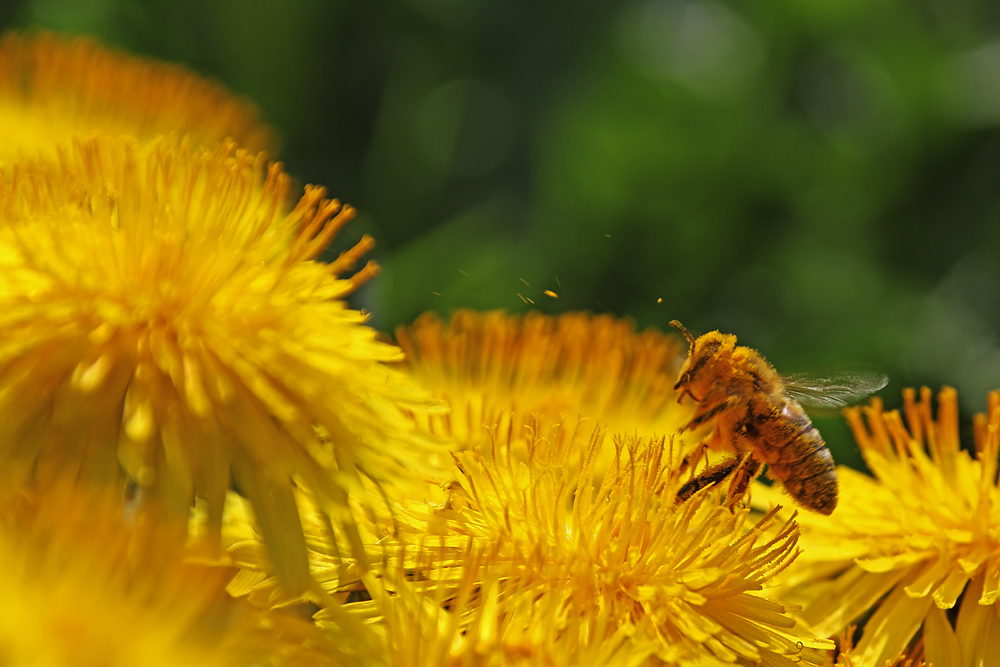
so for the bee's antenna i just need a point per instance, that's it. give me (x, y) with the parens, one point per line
(680, 327)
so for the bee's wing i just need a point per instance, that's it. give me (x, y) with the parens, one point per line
(833, 389)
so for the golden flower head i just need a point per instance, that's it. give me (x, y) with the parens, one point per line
(563, 562)
(53, 88)
(82, 586)
(917, 538)
(162, 311)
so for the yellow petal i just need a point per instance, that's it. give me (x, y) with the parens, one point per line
(852, 594)
(940, 642)
(891, 628)
(978, 629)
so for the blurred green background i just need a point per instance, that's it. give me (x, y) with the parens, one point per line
(819, 177)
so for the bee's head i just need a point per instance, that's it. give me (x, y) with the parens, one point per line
(705, 354)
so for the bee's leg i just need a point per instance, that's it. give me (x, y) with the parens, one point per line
(709, 477)
(693, 458)
(745, 472)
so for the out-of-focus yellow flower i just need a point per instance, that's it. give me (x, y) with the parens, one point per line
(54, 88)
(914, 540)
(592, 370)
(84, 587)
(488, 365)
(161, 311)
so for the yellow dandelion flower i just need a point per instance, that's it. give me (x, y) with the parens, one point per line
(82, 587)
(54, 88)
(162, 311)
(533, 563)
(919, 537)
(680, 580)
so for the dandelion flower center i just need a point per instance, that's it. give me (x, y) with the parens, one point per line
(685, 577)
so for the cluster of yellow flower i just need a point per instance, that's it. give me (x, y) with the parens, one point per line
(207, 458)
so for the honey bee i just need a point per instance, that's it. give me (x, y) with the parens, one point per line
(757, 414)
